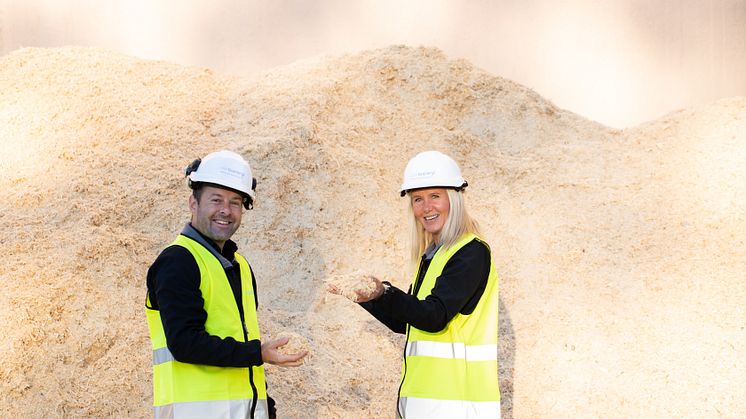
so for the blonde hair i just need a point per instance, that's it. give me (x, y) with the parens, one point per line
(459, 222)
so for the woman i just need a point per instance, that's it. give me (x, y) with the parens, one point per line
(450, 312)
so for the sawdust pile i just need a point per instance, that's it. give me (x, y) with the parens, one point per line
(621, 253)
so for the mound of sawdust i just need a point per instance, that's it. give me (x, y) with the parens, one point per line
(620, 253)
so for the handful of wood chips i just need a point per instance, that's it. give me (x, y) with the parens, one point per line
(296, 344)
(350, 284)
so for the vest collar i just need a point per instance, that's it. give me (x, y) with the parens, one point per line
(195, 235)
(430, 252)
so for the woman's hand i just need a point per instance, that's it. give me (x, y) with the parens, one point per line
(365, 295)
(357, 288)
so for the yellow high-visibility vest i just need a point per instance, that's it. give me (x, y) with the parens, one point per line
(183, 390)
(453, 373)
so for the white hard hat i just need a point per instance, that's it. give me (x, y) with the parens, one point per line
(431, 169)
(224, 168)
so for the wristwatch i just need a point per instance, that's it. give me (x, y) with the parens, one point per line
(386, 288)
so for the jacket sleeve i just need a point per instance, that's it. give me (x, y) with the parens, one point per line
(378, 309)
(457, 289)
(173, 286)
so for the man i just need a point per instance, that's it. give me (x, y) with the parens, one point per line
(201, 306)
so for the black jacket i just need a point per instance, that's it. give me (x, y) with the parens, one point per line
(457, 290)
(173, 288)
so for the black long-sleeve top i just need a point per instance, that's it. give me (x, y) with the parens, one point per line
(173, 289)
(457, 290)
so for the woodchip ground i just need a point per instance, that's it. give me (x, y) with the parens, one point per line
(621, 253)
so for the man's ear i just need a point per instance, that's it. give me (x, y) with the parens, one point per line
(193, 204)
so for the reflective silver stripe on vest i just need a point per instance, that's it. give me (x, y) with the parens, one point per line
(416, 408)
(450, 350)
(161, 356)
(217, 409)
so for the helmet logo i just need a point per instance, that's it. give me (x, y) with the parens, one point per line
(424, 174)
(232, 172)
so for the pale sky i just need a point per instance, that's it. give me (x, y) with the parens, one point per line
(618, 62)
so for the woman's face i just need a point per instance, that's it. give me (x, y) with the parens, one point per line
(431, 207)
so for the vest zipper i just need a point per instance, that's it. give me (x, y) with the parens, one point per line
(415, 290)
(254, 392)
(403, 376)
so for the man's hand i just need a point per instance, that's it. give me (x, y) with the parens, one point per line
(272, 355)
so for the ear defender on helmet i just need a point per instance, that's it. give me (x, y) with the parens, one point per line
(248, 202)
(193, 166)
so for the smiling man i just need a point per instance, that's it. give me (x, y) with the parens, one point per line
(201, 306)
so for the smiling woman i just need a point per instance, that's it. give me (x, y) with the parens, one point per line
(450, 313)
(430, 207)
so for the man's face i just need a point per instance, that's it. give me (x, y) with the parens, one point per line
(217, 214)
